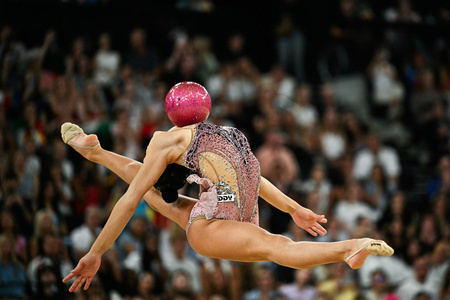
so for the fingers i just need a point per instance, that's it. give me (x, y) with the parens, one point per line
(69, 277)
(73, 273)
(319, 229)
(321, 219)
(80, 285)
(78, 268)
(88, 283)
(77, 284)
(311, 232)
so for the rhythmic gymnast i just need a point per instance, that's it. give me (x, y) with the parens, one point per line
(223, 223)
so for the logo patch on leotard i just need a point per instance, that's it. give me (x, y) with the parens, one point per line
(225, 193)
(226, 198)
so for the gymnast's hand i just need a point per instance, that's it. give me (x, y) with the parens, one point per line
(308, 220)
(85, 271)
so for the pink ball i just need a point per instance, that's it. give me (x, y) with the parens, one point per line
(187, 103)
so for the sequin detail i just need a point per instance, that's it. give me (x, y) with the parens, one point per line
(223, 156)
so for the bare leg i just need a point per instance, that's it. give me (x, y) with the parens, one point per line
(227, 239)
(246, 242)
(89, 147)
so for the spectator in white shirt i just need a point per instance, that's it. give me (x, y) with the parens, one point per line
(106, 62)
(376, 153)
(319, 183)
(349, 210)
(387, 92)
(284, 85)
(418, 283)
(84, 236)
(332, 137)
(396, 270)
(303, 112)
(176, 259)
(54, 256)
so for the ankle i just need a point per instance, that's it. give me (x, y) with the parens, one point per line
(353, 245)
(95, 154)
(348, 248)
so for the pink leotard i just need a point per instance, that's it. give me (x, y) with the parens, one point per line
(227, 171)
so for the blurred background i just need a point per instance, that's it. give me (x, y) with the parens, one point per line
(345, 103)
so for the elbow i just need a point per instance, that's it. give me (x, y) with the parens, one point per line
(127, 205)
(130, 168)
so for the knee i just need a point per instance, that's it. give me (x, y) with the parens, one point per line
(275, 247)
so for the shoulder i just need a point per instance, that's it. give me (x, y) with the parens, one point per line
(171, 144)
(174, 134)
(176, 128)
(164, 140)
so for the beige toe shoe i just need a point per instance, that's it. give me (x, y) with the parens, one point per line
(375, 247)
(69, 131)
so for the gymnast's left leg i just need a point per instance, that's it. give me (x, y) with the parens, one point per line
(89, 147)
(240, 241)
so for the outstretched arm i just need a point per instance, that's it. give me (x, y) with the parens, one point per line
(156, 159)
(161, 151)
(302, 216)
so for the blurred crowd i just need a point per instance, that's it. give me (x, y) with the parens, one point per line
(376, 167)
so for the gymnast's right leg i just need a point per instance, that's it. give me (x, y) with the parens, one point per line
(89, 147)
(240, 241)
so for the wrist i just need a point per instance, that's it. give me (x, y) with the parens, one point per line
(95, 252)
(294, 208)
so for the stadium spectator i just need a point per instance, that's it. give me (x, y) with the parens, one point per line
(331, 135)
(303, 112)
(10, 227)
(54, 255)
(265, 287)
(141, 58)
(84, 235)
(352, 207)
(402, 13)
(378, 190)
(301, 288)
(91, 107)
(207, 62)
(106, 62)
(12, 273)
(319, 183)
(379, 288)
(377, 153)
(277, 162)
(421, 282)
(180, 286)
(217, 277)
(339, 284)
(176, 260)
(290, 44)
(440, 183)
(284, 86)
(387, 90)
(146, 287)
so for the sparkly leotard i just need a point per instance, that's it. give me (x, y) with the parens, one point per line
(227, 171)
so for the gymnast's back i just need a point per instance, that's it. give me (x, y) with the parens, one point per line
(223, 156)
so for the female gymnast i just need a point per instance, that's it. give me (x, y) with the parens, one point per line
(223, 223)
